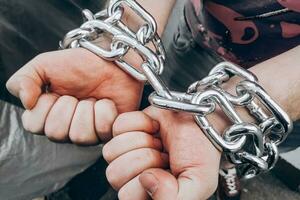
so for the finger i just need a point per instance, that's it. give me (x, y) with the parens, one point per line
(34, 119)
(59, 119)
(133, 190)
(134, 121)
(160, 184)
(105, 115)
(174, 127)
(194, 159)
(127, 142)
(27, 82)
(155, 112)
(126, 167)
(197, 182)
(82, 129)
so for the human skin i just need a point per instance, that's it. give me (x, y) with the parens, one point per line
(84, 92)
(137, 164)
(27, 85)
(137, 161)
(280, 77)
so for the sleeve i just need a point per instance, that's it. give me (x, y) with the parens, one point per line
(31, 165)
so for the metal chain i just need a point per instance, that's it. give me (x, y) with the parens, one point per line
(251, 146)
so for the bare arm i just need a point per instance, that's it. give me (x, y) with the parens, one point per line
(280, 77)
(159, 9)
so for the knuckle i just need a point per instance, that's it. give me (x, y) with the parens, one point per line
(110, 104)
(104, 122)
(10, 84)
(144, 117)
(106, 153)
(40, 58)
(80, 139)
(146, 122)
(143, 139)
(104, 127)
(39, 61)
(25, 122)
(123, 194)
(55, 135)
(119, 123)
(112, 176)
(28, 125)
(143, 121)
(121, 117)
(67, 98)
(150, 155)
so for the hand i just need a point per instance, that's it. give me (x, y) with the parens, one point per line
(133, 150)
(135, 171)
(79, 85)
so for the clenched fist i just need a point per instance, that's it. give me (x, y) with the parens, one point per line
(146, 144)
(73, 95)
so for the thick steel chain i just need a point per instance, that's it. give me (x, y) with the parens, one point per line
(251, 146)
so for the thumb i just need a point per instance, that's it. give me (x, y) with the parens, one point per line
(26, 84)
(191, 184)
(159, 184)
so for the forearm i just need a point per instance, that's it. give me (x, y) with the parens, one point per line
(280, 77)
(159, 9)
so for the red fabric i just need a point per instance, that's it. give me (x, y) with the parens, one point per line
(245, 31)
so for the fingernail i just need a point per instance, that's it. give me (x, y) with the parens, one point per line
(155, 125)
(149, 182)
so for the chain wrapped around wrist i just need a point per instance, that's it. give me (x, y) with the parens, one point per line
(251, 146)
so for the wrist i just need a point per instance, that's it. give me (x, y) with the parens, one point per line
(219, 119)
(279, 76)
(250, 111)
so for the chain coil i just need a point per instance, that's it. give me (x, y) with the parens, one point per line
(251, 146)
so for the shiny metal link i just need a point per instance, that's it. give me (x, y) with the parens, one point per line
(252, 145)
(278, 113)
(238, 130)
(109, 21)
(213, 79)
(103, 15)
(146, 53)
(148, 30)
(207, 127)
(71, 39)
(114, 53)
(180, 102)
(233, 70)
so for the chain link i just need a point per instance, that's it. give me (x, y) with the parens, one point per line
(251, 146)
